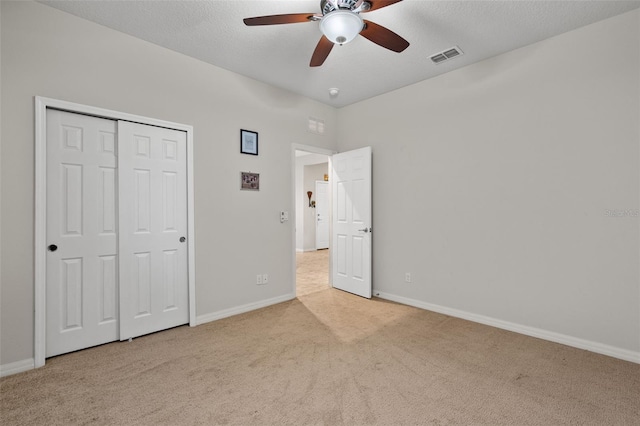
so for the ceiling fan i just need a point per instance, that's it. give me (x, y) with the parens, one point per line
(340, 23)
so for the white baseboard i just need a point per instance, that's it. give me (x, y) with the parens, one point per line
(29, 364)
(17, 367)
(564, 339)
(624, 354)
(202, 319)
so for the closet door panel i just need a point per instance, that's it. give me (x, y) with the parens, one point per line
(81, 260)
(153, 229)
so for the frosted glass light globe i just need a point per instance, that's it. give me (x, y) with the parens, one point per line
(341, 26)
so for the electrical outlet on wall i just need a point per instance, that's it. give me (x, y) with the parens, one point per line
(259, 279)
(407, 277)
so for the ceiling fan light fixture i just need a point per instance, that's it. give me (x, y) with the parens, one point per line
(341, 26)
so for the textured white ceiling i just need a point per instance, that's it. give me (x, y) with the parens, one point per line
(213, 31)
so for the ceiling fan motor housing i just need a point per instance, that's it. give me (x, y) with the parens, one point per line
(328, 6)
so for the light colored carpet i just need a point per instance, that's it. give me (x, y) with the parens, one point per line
(312, 272)
(328, 358)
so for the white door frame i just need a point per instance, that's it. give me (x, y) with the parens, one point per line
(41, 105)
(315, 150)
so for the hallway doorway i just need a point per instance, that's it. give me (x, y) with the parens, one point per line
(312, 262)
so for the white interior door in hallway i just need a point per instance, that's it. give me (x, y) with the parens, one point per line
(322, 215)
(113, 180)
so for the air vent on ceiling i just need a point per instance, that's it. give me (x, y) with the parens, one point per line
(446, 55)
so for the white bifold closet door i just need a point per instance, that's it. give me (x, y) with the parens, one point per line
(116, 212)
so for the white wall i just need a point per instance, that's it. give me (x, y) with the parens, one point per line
(238, 233)
(0, 183)
(491, 185)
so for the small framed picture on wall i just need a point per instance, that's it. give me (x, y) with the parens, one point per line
(250, 181)
(248, 142)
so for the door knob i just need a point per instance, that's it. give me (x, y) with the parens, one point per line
(52, 247)
(365, 230)
(183, 239)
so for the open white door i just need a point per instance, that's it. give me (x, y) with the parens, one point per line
(351, 221)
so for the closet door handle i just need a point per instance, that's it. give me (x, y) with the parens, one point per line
(183, 239)
(52, 247)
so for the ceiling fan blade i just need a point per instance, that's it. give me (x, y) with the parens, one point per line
(290, 18)
(378, 4)
(322, 51)
(383, 37)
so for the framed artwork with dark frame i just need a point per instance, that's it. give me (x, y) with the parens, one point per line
(248, 142)
(250, 181)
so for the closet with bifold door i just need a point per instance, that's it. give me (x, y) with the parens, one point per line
(116, 228)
